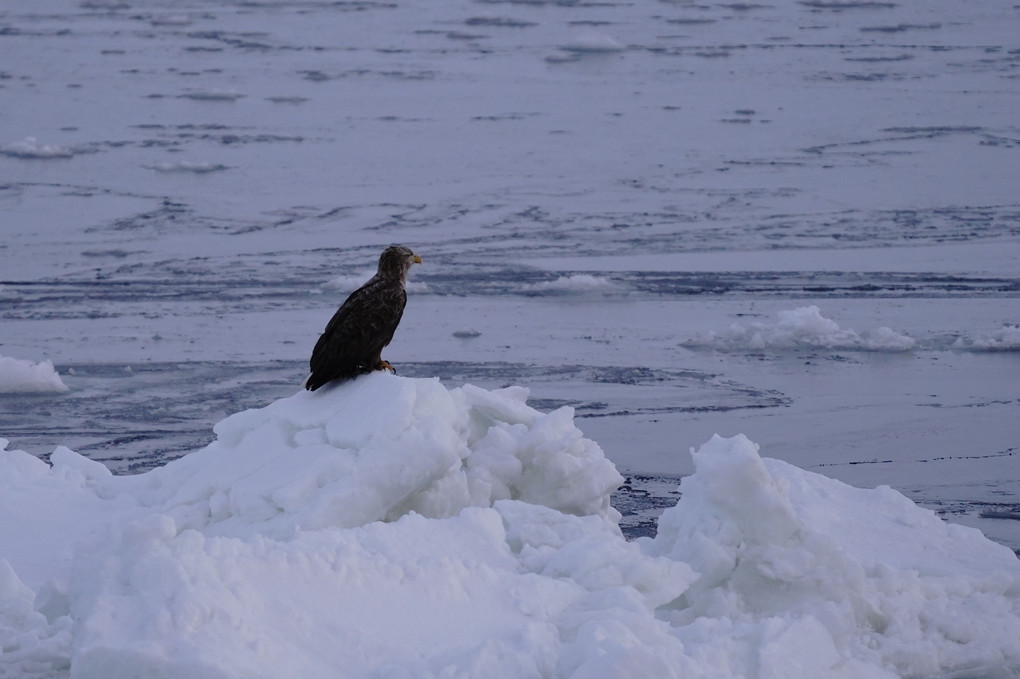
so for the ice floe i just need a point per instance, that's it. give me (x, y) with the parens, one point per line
(394, 527)
(30, 147)
(803, 327)
(574, 283)
(23, 377)
(1006, 338)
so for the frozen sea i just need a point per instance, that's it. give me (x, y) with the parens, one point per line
(795, 221)
(799, 221)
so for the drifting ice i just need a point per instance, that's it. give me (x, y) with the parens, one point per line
(391, 527)
(803, 327)
(25, 377)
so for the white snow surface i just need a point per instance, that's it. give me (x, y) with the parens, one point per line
(393, 527)
(19, 376)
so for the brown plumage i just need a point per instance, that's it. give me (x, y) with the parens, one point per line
(354, 338)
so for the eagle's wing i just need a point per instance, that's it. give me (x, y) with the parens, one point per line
(358, 331)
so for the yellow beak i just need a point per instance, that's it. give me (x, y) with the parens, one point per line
(417, 259)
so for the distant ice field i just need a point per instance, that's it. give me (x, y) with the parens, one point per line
(629, 208)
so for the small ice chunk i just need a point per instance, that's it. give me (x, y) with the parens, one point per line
(30, 148)
(188, 166)
(25, 377)
(574, 283)
(593, 42)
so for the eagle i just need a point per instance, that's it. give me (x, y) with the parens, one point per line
(354, 338)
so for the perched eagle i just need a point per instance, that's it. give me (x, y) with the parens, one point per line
(354, 338)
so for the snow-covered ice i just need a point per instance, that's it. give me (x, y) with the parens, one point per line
(1006, 338)
(394, 527)
(19, 376)
(802, 327)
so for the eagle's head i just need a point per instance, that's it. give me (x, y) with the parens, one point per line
(396, 260)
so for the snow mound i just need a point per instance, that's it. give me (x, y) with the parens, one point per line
(396, 528)
(804, 327)
(375, 449)
(810, 577)
(24, 377)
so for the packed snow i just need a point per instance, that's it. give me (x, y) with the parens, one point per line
(25, 377)
(394, 527)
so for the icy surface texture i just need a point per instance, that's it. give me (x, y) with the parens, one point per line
(394, 527)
